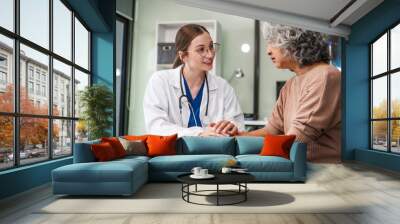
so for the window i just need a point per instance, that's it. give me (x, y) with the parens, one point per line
(3, 61)
(30, 72)
(38, 89)
(43, 90)
(30, 87)
(3, 78)
(7, 74)
(54, 126)
(37, 75)
(3, 72)
(81, 45)
(7, 14)
(62, 29)
(34, 21)
(385, 94)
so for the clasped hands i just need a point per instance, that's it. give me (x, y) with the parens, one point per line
(220, 128)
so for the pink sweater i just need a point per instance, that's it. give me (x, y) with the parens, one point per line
(309, 107)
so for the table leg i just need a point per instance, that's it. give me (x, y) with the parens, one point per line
(245, 191)
(217, 194)
(196, 188)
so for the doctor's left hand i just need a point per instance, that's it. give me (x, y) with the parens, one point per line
(225, 128)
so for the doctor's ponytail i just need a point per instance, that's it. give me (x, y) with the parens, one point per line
(184, 37)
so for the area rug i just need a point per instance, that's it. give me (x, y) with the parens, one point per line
(167, 198)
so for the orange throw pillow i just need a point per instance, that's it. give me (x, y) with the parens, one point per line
(277, 145)
(116, 145)
(103, 152)
(161, 145)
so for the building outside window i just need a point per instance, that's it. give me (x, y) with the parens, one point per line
(34, 55)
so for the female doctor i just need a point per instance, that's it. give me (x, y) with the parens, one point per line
(187, 100)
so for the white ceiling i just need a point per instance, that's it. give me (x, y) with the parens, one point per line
(320, 9)
(314, 15)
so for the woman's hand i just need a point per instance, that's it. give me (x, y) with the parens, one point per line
(210, 131)
(225, 128)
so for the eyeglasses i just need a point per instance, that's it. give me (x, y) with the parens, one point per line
(203, 51)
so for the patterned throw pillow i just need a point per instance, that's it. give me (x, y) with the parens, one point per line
(135, 147)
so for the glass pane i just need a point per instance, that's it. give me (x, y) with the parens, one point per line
(81, 81)
(35, 21)
(34, 96)
(395, 94)
(395, 47)
(81, 131)
(62, 29)
(7, 14)
(395, 138)
(6, 74)
(33, 139)
(62, 138)
(379, 135)
(379, 97)
(81, 45)
(62, 89)
(6, 142)
(379, 56)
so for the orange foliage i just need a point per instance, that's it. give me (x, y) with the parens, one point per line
(33, 130)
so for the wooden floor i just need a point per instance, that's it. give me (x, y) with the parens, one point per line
(377, 188)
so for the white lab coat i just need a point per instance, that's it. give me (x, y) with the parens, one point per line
(161, 105)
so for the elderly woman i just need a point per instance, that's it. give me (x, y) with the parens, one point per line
(309, 103)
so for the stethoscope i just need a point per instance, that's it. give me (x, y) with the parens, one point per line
(183, 95)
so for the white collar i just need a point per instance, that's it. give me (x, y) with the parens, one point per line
(176, 79)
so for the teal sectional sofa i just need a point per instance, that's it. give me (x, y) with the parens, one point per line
(125, 176)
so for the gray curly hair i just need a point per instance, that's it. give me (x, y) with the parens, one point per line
(304, 46)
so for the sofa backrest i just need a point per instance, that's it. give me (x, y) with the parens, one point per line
(192, 145)
(249, 145)
(83, 152)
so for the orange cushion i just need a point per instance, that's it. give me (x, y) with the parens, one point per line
(103, 151)
(116, 145)
(277, 145)
(161, 145)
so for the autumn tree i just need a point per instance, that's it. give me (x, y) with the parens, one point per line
(33, 131)
(380, 127)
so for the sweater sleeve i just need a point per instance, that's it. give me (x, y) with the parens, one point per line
(319, 108)
(274, 125)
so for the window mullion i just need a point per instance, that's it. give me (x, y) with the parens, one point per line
(73, 83)
(16, 69)
(389, 101)
(50, 81)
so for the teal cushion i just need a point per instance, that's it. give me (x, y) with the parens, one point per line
(257, 163)
(195, 145)
(185, 163)
(249, 145)
(111, 171)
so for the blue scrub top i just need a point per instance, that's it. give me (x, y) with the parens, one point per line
(195, 105)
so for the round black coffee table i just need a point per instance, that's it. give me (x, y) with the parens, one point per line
(238, 179)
